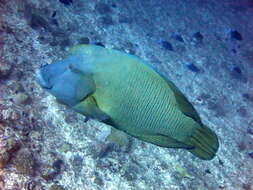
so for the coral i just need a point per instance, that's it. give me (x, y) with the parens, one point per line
(20, 98)
(5, 69)
(167, 45)
(4, 158)
(216, 37)
(8, 146)
(50, 171)
(103, 8)
(119, 137)
(57, 187)
(24, 162)
(250, 128)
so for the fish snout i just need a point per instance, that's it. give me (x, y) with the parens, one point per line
(42, 78)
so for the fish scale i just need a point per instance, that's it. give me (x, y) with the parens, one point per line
(148, 108)
(123, 91)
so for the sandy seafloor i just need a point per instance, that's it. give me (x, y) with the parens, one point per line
(203, 46)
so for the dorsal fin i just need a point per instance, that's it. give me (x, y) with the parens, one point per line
(184, 105)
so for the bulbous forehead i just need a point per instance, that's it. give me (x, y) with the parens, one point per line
(66, 81)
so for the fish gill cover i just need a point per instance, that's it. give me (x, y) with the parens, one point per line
(203, 47)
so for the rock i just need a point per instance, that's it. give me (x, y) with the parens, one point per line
(235, 35)
(24, 162)
(103, 150)
(246, 186)
(56, 187)
(33, 185)
(55, 22)
(250, 154)
(38, 22)
(103, 8)
(234, 50)
(5, 69)
(250, 128)
(4, 158)
(20, 98)
(221, 162)
(66, 147)
(242, 111)
(54, 14)
(248, 96)
(16, 87)
(84, 40)
(237, 70)
(77, 161)
(203, 98)
(99, 44)
(54, 43)
(2, 182)
(66, 2)
(125, 19)
(131, 173)
(65, 42)
(10, 146)
(57, 165)
(183, 172)
(236, 73)
(77, 164)
(192, 68)
(167, 45)
(241, 146)
(207, 171)
(217, 108)
(198, 37)
(106, 20)
(35, 136)
(118, 137)
(178, 37)
(99, 181)
(48, 174)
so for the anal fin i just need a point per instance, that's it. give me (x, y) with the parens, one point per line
(163, 141)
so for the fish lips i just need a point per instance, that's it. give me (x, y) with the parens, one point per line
(42, 80)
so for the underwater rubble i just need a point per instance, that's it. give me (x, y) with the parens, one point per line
(205, 47)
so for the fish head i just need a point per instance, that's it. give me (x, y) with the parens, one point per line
(67, 80)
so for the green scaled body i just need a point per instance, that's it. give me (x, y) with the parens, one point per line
(121, 90)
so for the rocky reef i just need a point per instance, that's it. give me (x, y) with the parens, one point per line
(204, 47)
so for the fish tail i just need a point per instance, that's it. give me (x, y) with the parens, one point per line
(205, 142)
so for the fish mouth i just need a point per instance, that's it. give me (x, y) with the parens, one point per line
(41, 80)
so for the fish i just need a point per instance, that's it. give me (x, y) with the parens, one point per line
(122, 90)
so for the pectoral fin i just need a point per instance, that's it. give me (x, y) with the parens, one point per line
(89, 108)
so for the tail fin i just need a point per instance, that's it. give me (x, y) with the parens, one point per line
(205, 142)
